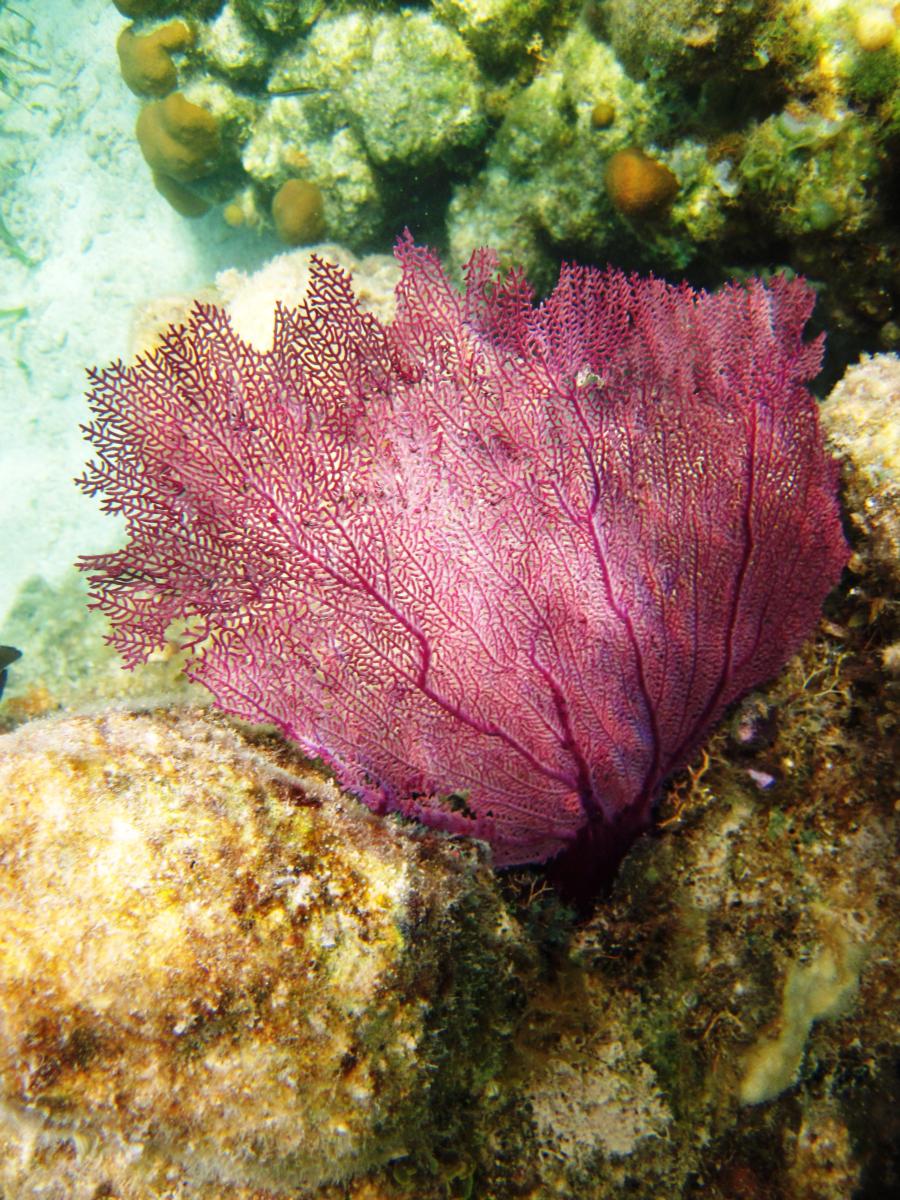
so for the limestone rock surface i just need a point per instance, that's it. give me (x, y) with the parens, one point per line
(218, 974)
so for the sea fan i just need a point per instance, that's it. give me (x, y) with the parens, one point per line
(500, 565)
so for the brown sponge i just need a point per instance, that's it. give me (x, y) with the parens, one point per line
(145, 58)
(177, 138)
(182, 199)
(638, 185)
(297, 211)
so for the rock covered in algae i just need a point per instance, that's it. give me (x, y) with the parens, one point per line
(543, 188)
(777, 118)
(280, 17)
(217, 972)
(861, 420)
(503, 32)
(808, 174)
(687, 38)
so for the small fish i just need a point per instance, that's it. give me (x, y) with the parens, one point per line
(302, 89)
(8, 655)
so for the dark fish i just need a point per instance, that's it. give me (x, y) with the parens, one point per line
(8, 655)
(302, 89)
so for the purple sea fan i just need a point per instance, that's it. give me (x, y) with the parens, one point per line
(500, 565)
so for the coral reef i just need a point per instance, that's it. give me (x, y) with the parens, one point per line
(211, 958)
(497, 122)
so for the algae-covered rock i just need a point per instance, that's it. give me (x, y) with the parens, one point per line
(405, 83)
(502, 32)
(809, 174)
(280, 17)
(544, 176)
(233, 46)
(862, 421)
(544, 189)
(356, 106)
(688, 38)
(217, 970)
(290, 137)
(353, 101)
(144, 8)
(479, 122)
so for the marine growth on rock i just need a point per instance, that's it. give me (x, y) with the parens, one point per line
(500, 565)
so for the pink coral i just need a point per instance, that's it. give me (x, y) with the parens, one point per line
(500, 565)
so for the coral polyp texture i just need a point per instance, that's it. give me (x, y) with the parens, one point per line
(769, 123)
(501, 566)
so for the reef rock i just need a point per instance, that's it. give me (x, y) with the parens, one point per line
(860, 419)
(218, 973)
(724, 1025)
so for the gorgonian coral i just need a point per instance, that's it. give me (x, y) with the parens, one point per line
(500, 565)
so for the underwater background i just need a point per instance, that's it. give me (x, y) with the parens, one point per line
(724, 1022)
(85, 240)
(707, 140)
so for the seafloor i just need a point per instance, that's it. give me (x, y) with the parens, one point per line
(92, 240)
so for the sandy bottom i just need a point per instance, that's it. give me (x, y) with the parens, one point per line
(77, 198)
